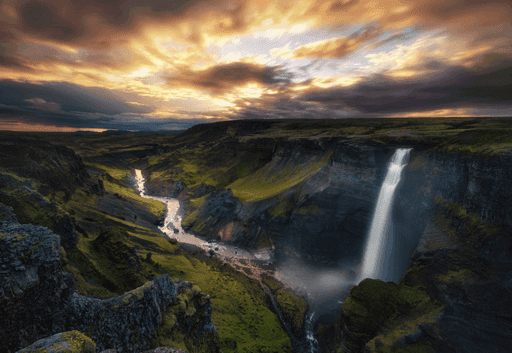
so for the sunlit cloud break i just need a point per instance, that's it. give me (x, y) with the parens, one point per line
(74, 64)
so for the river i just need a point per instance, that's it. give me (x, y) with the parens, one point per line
(253, 263)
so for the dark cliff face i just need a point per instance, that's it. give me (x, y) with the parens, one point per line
(33, 157)
(324, 218)
(460, 269)
(33, 284)
(37, 299)
(451, 212)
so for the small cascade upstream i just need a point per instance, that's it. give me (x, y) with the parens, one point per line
(376, 251)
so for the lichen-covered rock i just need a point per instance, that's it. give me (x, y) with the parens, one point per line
(164, 350)
(126, 321)
(7, 215)
(73, 341)
(37, 299)
(32, 284)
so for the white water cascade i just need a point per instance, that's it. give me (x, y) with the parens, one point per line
(375, 256)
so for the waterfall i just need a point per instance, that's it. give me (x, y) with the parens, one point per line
(310, 334)
(376, 252)
(140, 182)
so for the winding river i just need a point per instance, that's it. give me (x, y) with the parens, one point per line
(251, 263)
(172, 228)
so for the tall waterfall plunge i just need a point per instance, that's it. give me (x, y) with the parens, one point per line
(379, 244)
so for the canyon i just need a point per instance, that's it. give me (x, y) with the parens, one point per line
(305, 192)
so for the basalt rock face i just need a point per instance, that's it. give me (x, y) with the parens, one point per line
(462, 261)
(222, 210)
(37, 299)
(32, 157)
(73, 341)
(330, 218)
(33, 284)
(480, 184)
(324, 218)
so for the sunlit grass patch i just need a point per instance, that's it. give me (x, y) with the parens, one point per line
(242, 320)
(269, 180)
(154, 206)
(115, 172)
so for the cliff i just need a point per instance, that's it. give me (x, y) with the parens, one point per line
(309, 189)
(330, 202)
(37, 299)
(452, 226)
(55, 167)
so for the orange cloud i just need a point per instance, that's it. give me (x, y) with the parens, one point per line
(333, 48)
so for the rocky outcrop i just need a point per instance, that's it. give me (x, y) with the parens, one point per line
(32, 207)
(33, 284)
(37, 299)
(222, 210)
(73, 341)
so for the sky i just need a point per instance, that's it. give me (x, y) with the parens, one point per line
(68, 65)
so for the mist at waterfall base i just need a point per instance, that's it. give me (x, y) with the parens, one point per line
(324, 287)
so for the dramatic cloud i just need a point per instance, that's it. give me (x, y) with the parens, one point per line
(488, 84)
(222, 78)
(333, 48)
(39, 102)
(146, 62)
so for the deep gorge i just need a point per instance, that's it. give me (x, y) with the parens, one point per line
(311, 200)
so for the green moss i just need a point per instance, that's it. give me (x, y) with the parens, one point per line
(115, 171)
(154, 206)
(457, 276)
(463, 227)
(273, 179)
(309, 209)
(487, 141)
(282, 208)
(419, 347)
(19, 236)
(293, 307)
(241, 313)
(396, 309)
(271, 283)
(393, 310)
(79, 342)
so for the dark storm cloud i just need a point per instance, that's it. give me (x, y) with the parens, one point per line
(285, 107)
(68, 96)
(488, 83)
(77, 21)
(10, 60)
(223, 78)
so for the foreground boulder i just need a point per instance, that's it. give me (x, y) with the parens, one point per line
(73, 341)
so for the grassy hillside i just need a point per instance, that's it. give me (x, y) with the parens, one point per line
(235, 155)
